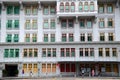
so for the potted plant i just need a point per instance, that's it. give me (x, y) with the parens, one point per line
(4, 73)
(16, 72)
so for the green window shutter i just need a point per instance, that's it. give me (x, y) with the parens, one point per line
(72, 54)
(16, 52)
(9, 24)
(35, 54)
(9, 9)
(45, 39)
(86, 7)
(91, 7)
(16, 37)
(16, 9)
(30, 54)
(16, 24)
(46, 11)
(80, 8)
(6, 53)
(9, 38)
(63, 39)
(27, 39)
(46, 25)
(11, 52)
(67, 54)
(52, 25)
(52, 39)
(54, 53)
(49, 54)
(34, 39)
(70, 39)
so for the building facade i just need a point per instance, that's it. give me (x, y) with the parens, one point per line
(59, 37)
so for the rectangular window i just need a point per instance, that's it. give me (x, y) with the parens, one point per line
(6, 53)
(52, 37)
(45, 37)
(101, 8)
(72, 52)
(43, 68)
(62, 52)
(35, 52)
(91, 51)
(64, 23)
(86, 7)
(34, 37)
(48, 68)
(89, 24)
(52, 10)
(110, 8)
(71, 37)
(9, 24)
(70, 23)
(82, 37)
(30, 52)
(16, 37)
(16, 10)
(53, 68)
(89, 37)
(52, 24)
(29, 67)
(34, 24)
(61, 8)
(28, 10)
(80, 7)
(102, 37)
(91, 7)
(67, 52)
(86, 52)
(16, 24)
(34, 10)
(81, 52)
(45, 24)
(107, 51)
(110, 22)
(110, 37)
(27, 24)
(114, 52)
(44, 52)
(64, 38)
(9, 10)
(101, 23)
(25, 53)
(25, 67)
(54, 52)
(67, 8)
(49, 52)
(16, 52)
(35, 68)
(46, 10)
(9, 38)
(72, 8)
(27, 38)
(82, 23)
(100, 52)
(12, 53)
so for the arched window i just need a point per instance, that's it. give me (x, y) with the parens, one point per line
(86, 6)
(91, 6)
(67, 7)
(80, 6)
(62, 7)
(72, 7)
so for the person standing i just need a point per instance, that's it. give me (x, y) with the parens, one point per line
(93, 73)
(82, 72)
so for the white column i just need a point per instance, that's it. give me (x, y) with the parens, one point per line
(22, 22)
(3, 24)
(117, 23)
(40, 24)
(95, 31)
(58, 31)
(76, 31)
(96, 53)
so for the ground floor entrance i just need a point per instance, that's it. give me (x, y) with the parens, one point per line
(88, 69)
(11, 70)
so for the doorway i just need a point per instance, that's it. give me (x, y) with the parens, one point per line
(11, 70)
